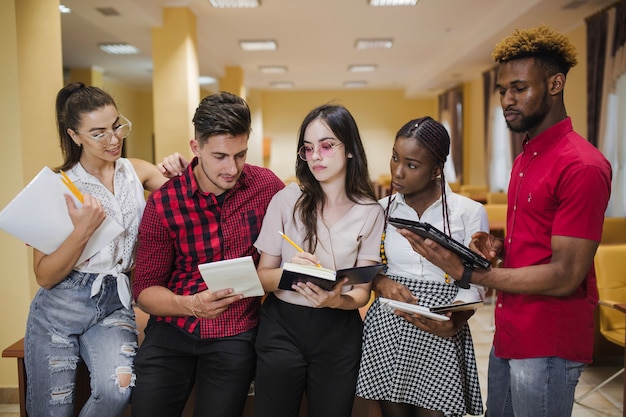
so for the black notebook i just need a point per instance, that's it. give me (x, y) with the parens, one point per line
(326, 278)
(426, 230)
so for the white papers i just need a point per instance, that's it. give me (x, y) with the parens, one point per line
(238, 274)
(38, 216)
(392, 305)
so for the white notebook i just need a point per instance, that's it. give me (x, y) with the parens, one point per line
(38, 217)
(392, 305)
(238, 274)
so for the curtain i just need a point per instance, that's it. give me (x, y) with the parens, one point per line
(607, 101)
(501, 144)
(451, 116)
(596, 51)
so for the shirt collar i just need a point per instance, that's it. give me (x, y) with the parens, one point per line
(398, 199)
(80, 174)
(191, 183)
(548, 137)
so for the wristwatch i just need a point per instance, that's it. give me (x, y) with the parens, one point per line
(466, 278)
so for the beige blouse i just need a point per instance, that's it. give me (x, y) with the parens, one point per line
(356, 236)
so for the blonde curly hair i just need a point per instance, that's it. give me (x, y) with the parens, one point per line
(541, 42)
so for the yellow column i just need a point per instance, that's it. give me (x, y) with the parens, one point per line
(39, 41)
(31, 75)
(233, 81)
(175, 81)
(88, 76)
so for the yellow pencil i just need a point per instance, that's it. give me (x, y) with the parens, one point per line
(69, 184)
(292, 243)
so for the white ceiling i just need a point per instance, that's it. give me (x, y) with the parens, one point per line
(437, 44)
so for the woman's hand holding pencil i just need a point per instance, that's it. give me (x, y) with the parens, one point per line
(298, 248)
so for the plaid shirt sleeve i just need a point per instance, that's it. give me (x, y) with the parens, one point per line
(155, 252)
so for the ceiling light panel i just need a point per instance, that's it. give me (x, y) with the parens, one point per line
(273, 69)
(362, 68)
(206, 80)
(235, 4)
(118, 48)
(383, 3)
(281, 84)
(355, 84)
(64, 9)
(267, 45)
(374, 44)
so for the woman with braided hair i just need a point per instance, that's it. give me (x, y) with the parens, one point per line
(412, 365)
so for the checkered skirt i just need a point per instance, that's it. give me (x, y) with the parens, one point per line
(401, 363)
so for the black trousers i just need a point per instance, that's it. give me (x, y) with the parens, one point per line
(302, 349)
(169, 363)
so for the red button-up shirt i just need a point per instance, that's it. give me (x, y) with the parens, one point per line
(560, 186)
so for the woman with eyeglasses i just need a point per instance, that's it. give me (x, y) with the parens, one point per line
(309, 339)
(415, 366)
(83, 312)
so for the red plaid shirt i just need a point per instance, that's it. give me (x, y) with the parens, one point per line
(182, 227)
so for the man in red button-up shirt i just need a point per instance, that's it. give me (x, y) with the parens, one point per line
(558, 193)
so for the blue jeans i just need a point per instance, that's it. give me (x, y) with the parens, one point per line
(65, 325)
(536, 387)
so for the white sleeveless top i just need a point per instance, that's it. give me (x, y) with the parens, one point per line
(125, 206)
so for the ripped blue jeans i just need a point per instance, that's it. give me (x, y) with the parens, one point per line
(65, 325)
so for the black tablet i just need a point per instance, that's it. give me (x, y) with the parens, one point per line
(456, 307)
(426, 230)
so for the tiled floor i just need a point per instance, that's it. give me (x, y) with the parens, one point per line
(606, 402)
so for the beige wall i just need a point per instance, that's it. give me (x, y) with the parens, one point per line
(576, 84)
(137, 107)
(379, 115)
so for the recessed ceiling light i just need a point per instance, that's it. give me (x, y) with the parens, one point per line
(206, 80)
(267, 45)
(362, 68)
(354, 84)
(281, 84)
(64, 9)
(393, 2)
(235, 4)
(273, 69)
(374, 43)
(118, 48)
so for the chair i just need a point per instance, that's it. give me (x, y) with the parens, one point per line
(497, 197)
(496, 214)
(614, 230)
(475, 192)
(611, 278)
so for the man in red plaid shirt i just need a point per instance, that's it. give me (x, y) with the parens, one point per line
(212, 211)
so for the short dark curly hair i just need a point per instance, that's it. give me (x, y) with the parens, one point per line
(554, 50)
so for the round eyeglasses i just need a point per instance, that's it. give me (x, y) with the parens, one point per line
(326, 150)
(121, 131)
